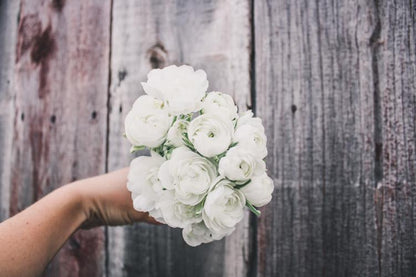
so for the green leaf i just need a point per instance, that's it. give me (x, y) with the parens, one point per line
(168, 152)
(159, 150)
(186, 117)
(174, 120)
(233, 144)
(187, 142)
(253, 209)
(200, 206)
(136, 148)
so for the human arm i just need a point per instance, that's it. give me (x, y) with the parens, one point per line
(30, 239)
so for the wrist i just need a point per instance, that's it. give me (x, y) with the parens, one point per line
(80, 200)
(90, 203)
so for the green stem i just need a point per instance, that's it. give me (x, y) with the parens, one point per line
(253, 209)
(239, 186)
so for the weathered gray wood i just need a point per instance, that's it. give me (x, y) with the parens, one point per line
(335, 84)
(315, 91)
(8, 27)
(395, 50)
(214, 36)
(60, 113)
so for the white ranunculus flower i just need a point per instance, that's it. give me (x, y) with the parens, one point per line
(143, 182)
(157, 214)
(240, 165)
(147, 123)
(221, 104)
(197, 233)
(249, 134)
(223, 208)
(259, 191)
(175, 213)
(176, 132)
(189, 174)
(211, 135)
(180, 87)
(247, 118)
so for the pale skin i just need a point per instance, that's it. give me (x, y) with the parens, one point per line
(31, 238)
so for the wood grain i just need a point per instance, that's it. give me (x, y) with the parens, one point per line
(333, 81)
(60, 113)
(214, 36)
(315, 91)
(8, 26)
(396, 90)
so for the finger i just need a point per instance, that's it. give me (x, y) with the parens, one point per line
(145, 217)
(151, 220)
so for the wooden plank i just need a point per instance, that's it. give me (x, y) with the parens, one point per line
(8, 26)
(214, 36)
(60, 120)
(315, 92)
(396, 65)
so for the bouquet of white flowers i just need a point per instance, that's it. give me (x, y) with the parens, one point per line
(206, 160)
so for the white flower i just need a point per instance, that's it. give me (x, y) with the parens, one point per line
(176, 132)
(247, 118)
(157, 214)
(223, 208)
(181, 88)
(147, 123)
(175, 213)
(250, 135)
(197, 233)
(221, 104)
(210, 134)
(240, 165)
(259, 191)
(143, 182)
(189, 174)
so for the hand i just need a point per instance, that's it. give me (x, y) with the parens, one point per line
(106, 201)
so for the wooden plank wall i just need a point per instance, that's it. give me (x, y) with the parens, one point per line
(59, 120)
(335, 84)
(8, 27)
(318, 107)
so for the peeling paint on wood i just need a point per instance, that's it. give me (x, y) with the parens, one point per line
(8, 26)
(59, 132)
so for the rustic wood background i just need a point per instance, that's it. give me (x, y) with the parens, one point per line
(335, 84)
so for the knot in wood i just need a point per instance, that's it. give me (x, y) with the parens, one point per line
(157, 55)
